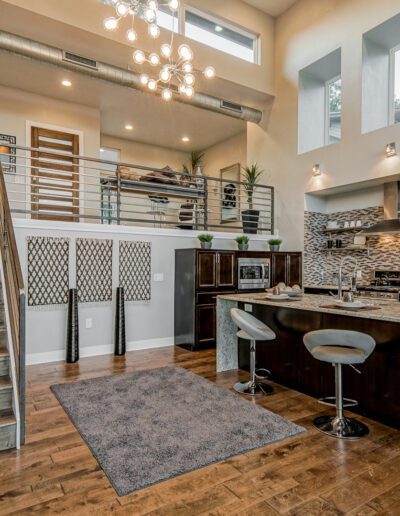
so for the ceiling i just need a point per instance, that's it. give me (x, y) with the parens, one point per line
(154, 121)
(272, 7)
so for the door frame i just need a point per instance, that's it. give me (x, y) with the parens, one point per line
(28, 138)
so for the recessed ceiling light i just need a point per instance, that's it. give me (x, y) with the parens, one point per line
(186, 139)
(101, 150)
(67, 83)
(129, 127)
(218, 28)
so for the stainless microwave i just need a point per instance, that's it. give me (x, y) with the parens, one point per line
(254, 273)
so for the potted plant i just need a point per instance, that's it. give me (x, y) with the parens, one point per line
(274, 244)
(206, 240)
(196, 163)
(250, 217)
(243, 242)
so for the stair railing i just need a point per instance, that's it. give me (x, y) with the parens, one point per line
(14, 291)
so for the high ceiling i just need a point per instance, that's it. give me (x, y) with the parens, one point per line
(272, 7)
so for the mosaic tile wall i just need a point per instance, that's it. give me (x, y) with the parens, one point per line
(320, 265)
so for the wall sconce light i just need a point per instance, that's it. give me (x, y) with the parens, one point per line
(316, 170)
(390, 150)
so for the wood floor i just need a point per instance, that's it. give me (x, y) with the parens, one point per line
(55, 471)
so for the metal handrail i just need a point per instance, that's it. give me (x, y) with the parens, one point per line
(15, 294)
(97, 193)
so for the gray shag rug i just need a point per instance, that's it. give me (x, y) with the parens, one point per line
(149, 426)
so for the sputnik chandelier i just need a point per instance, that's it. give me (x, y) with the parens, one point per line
(171, 68)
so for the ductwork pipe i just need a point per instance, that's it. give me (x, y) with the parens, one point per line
(55, 56)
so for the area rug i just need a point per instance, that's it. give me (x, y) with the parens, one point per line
(149, 426)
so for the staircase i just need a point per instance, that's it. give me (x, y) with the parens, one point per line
(8, 422)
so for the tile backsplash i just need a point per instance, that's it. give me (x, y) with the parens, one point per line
(321, 265)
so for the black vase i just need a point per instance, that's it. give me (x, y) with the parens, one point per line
(72, 327)
(250, 221)
(120, 336)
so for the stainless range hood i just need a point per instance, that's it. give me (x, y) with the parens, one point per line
(391, 207)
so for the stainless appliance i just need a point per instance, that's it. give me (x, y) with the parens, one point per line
(254, 273)
(385, 285)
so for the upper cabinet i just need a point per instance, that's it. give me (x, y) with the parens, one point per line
(286, 268)
(216, 269)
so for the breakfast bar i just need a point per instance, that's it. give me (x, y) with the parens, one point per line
(291, 364)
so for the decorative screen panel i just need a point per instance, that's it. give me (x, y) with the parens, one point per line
(94, 270)
(135, 270)
(48, 271)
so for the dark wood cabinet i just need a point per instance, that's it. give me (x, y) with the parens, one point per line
(286, 268)
(200, 276)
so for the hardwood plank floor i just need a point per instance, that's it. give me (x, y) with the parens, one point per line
(307, 475)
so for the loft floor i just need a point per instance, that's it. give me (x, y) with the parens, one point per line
(311, 474)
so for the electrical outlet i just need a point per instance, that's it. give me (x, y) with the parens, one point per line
(248, 308)
(89, 324)
(159, 278)
(359, 274)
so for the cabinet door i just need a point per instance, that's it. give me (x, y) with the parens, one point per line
(294, 269)
(278, 268)
(226, 270)
(206, 269)
(206, 325)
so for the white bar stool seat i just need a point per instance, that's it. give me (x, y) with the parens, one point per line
(340, 347)
(252, 329)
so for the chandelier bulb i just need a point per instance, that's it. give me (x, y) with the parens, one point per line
(152, 4)
(165, 75)
(152, 85)
(122, 9)
(131, 35)
(154, 31)
(209, 72)
(144, 79)
(154, 59)
(187, 67)
(167, 94)
(139, 57)
(182, 89)
(173, 5)
(111, 23)
(189, 79)
(189, 91)
(149, 15)
(185, 52)
(166, 50)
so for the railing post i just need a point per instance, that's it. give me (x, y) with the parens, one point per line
(272, 210)
(205, 203)
(118, 198)
(22, 381)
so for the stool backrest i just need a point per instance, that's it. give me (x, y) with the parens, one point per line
(248, 323)
(345, 338)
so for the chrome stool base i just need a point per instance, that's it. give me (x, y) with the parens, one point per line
(257, 389)
(342, 428)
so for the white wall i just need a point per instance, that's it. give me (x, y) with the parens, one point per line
(224, 154)
(147, 324)
(307, 32)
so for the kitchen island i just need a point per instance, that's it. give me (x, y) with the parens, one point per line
(291, 364)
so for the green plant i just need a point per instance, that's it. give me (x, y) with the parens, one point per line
(196, 159)
(252, 176)
(242, 240)
(274, 241)
(205, 237)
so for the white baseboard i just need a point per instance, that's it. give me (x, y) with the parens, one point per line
(94, 351)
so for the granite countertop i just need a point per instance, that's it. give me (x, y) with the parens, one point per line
(388, 310)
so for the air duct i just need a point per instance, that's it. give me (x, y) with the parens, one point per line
(96, 69)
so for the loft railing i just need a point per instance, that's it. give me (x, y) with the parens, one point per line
(13, 290)
(44, 183)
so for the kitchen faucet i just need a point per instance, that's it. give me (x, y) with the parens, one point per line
(340, 275)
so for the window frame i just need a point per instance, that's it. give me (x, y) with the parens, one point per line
(328, 83)
(392, 78)
(226, 24)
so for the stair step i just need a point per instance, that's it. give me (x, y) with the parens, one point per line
(4, 364)
(8, 430)
(5, 382)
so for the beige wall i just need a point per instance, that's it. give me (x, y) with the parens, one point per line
(147, 155)
(88, 15)
(307, 32)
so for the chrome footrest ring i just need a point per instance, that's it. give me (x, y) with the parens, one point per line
(330, 401)
(263, 376)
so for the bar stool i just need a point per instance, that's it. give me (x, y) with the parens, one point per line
(252, 329)
(340, 347)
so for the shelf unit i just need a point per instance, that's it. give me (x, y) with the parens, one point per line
(347, 249)
(344, 230)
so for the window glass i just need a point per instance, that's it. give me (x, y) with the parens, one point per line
(166, 19)
(334, 122)
(397, 87)
(220, 37)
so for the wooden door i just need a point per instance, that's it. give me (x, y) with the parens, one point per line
(206, 270)
(205, 325)
(294, 269)
(278, 268)
(55, 177)
(226, 270)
